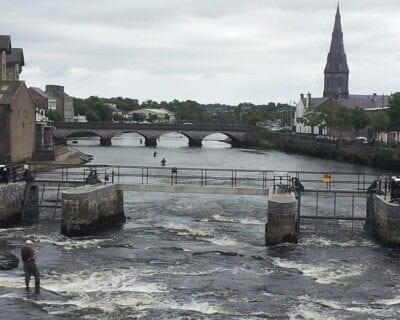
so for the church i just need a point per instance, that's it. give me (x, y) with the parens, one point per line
(336, 86)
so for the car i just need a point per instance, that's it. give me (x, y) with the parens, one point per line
(187, 124)
(361, 140)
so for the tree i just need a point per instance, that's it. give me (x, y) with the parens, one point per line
(359, 119)
(92, 116)
(394, 111)
(380, 122)
(118, 117)
(313, 118)
(54, 115)
(253, 118)
(153, 118)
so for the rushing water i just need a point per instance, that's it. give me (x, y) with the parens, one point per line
(184, 256)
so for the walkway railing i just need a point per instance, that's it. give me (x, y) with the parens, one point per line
(204, 176)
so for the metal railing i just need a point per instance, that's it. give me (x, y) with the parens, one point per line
(265, 179)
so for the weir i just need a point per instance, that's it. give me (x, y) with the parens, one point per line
(88, 209)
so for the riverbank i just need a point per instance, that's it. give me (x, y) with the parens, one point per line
(373, 156)
(64, 155)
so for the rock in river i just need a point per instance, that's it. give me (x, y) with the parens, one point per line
(8, 261)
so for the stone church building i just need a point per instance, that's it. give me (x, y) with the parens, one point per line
(336, 86)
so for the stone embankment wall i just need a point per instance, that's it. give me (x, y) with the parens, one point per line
(386, 221)
(11, 199)
(89, 209)
(281, 225)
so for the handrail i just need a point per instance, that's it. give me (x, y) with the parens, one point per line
(206, 176)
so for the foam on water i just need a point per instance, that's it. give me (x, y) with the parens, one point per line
(389, 302)
(329, 243)
(326, 273)
(221, 218)
(66, 243)
(12, 280)
(184, 230)
(311, 308)
(224, 242)
(117, 279)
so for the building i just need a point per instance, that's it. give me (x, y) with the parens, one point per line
(336, 86)
(11, 60)
(14, 63)
(5, 49)
(64, 103)
(80, 119)
(17, 122)
(161, 115)
(43, 103)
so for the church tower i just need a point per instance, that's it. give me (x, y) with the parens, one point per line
(336, 84)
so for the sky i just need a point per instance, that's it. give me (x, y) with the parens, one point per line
(210, 51)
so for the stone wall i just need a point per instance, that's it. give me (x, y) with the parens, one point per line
(386, 221)
(89, 209)
(11, 196)
(281, 225)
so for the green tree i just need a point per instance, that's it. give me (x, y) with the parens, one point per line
(54, 115)
(118, 117)
(313, 118)
(380, 122)
(394, 111)
(359, 119)
(92, 116)
(253, 118)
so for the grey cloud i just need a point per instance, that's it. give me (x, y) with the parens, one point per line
(214, 50)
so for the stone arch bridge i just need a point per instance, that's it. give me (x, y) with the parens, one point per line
(240, 136)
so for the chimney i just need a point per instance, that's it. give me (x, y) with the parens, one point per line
(308, 99)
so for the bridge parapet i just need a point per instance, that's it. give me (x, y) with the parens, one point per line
(150, 126)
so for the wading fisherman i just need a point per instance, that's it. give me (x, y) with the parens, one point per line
(28, 256)
(163, 162)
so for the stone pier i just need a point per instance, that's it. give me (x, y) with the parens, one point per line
(105, 142)
(281, 225)
(195, 142)
(92, 208)
(150, 142)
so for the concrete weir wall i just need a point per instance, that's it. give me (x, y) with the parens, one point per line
(11, 200)
(281, 225)
(11, 196)
(89, 209)
(386, 221)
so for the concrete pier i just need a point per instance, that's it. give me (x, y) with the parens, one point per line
(384, 217)
(11, 204)
(281, 225)
(89, 209)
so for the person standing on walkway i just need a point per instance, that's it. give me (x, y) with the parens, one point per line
(4, 174)
(28, 255)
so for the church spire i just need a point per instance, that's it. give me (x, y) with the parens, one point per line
(336, 69)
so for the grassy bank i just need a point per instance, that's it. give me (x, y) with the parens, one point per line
(376, 157)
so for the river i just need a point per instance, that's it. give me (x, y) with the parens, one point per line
(191, 256)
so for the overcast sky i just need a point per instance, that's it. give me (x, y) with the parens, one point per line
(226, 51)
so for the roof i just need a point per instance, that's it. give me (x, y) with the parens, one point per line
(5, 43)
(16, 56)
(364, 101)
(367, 102)
(40, 92)
(8, 89)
